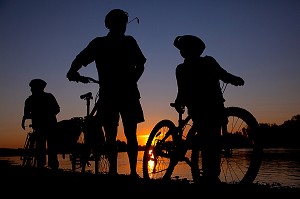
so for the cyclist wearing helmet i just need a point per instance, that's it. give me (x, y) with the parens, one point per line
(41, 107)
(199, 90)
(120, 64)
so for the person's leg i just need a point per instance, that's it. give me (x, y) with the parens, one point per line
(40, 149)
(132, 114)
(52, 148)
(132, 145)
(96, 135)
(209, 131)
(112, 148)
(108, 114)
(211, 154)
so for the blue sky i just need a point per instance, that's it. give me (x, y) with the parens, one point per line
(257, 40)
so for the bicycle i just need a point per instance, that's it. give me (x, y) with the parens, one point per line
(80, 149)
(28, 155)
(169, 144)
(72, 140)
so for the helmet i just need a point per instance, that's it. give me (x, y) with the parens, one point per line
(37, 83)
(116, 16)
(189, 42)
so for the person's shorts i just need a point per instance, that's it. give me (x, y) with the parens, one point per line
(110, 111)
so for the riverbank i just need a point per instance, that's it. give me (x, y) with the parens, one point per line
(24, 181)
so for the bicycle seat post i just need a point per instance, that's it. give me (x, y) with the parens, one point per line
(88, 98)
(88, 106)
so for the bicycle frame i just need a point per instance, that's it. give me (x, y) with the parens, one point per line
(241, 154)
(100, 158)
(28, 156)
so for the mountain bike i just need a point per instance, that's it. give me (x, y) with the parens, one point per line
(28, 155)
(81, 141)
(75, 137)
(169, 144)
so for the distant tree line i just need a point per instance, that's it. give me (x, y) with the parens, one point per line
(285, 135)
(271, 136)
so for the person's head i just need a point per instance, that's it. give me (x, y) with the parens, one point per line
(189, 45)
(37, 85)
(116, 21)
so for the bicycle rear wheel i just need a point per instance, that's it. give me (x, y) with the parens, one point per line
(28, 157)
(241, 154)
(157, 160)
(102, 164)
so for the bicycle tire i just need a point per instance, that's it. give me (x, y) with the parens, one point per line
(157, 159)
(241, 165)
(102, 164)
(76, 162)
(28, 157)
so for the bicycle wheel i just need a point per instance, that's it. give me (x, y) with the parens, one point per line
(241, 154)
(76, 158)
(102, 164)
(28, 157)
(157, 160)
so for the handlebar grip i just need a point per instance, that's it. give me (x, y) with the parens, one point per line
(92, 80)
(86, 96)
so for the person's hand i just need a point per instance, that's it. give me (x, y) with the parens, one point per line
(73, 76)
(180, 109)
(238, 82)
(83, 79)
(23, 124)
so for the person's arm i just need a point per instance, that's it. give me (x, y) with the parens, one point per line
(26, 114)
(234, 80)
(179, 101)
(55, 105)
(23, 123)
(85, 57)
(73, 74)
(139, 58)
(225, 76)
(139, 71)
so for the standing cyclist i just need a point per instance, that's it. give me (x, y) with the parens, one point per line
(42, 107)
(120, 64)
(199, 90)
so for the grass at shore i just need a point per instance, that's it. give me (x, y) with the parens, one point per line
(26, 180)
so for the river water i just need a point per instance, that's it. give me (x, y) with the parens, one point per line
(280, 167)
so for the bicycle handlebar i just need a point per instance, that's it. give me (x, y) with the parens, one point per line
(92, 80)
(86, 96)
(86, 80)
(172, 104)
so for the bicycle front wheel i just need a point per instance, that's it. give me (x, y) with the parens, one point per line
(157, 160)
(102, 164)
(28, 156)
(241, 154)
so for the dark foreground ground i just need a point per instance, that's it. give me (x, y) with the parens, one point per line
(17, 181)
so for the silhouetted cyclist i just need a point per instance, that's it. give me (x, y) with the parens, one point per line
(199, 90)
(120, 64)
(42, 107)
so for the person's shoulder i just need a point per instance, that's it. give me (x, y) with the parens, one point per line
(98, 39)
(48, 94)
(28, 98)
(209, 58)
(130, 38)
(180, 67)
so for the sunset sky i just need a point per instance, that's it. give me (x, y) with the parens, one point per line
(257, 40)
